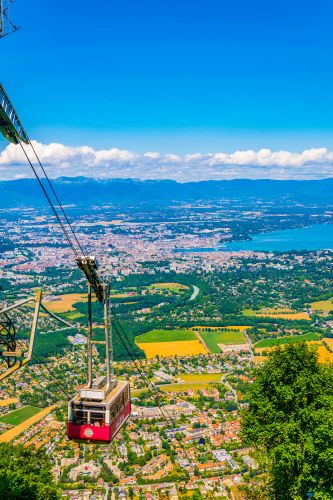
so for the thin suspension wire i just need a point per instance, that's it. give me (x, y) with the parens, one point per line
(137, 360)
(134, 358)
(55, 195)
(148, 385)
(50, 202)
(137, 363)
(43, 366)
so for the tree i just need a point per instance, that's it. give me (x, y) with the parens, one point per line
(290, 422)
(25, 473)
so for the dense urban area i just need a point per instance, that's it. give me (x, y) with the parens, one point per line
(199, 317)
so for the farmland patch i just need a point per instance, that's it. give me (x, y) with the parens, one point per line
(166, 336)
(278, 313)
(226, 337)
(18, 416)
(165, 349)
(308, 337)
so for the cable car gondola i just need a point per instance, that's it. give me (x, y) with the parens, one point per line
(101, 408)
(94, 415)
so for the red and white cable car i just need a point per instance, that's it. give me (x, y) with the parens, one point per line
(96, 416)
(101, 408)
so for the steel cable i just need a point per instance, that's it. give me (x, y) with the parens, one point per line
(55, 195)
(133, 354)
(41, 364)
(152, 389)
(50, 202)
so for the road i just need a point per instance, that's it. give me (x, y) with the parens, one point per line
(228, 386)
(249, 343)
(195, 293)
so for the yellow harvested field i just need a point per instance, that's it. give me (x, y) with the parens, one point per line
(324, 356)
(259, 359)
(241, 328)
(279, 313)
(8, 401)
(165, 349)
(323, 306)
(8, 436)
(329, 342)
(169, 286)
(65, 302)
(295, 316)
(260, 350)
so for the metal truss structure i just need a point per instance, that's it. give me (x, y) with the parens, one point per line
(6, 25)
(10, 350)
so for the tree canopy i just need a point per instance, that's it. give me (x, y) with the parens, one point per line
(25, 473)
(290, 421)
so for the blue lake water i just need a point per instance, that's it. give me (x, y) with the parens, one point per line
(317, 237)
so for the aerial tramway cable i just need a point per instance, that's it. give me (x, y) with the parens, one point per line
(62, 387)
(135, 359)
(14, 132)
(55, 194)
(50, 202)
(133, 354)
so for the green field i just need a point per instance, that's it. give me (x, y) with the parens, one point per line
(74, 315)
(227, 337)
(308, 337)
(165, 336)
(170, 287)
(18, 416)
(193, 381)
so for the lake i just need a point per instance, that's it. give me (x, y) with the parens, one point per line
(317, 237)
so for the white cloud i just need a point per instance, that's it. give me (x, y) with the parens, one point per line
(61, 160)
(152, 155)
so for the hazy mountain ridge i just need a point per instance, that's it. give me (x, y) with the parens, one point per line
(82, 190)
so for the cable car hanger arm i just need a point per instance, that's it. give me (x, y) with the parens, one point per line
(88, 265)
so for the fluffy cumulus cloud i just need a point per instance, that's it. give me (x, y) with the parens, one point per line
(61, 160)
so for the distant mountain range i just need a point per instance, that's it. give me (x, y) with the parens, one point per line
(87, 191)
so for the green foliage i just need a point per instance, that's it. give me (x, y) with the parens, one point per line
(229, 406)
(108, 475)
(25, 474)
(290, 421)
(53, 342)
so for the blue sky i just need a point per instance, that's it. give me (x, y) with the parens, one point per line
(173, 76)
(147, 74)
